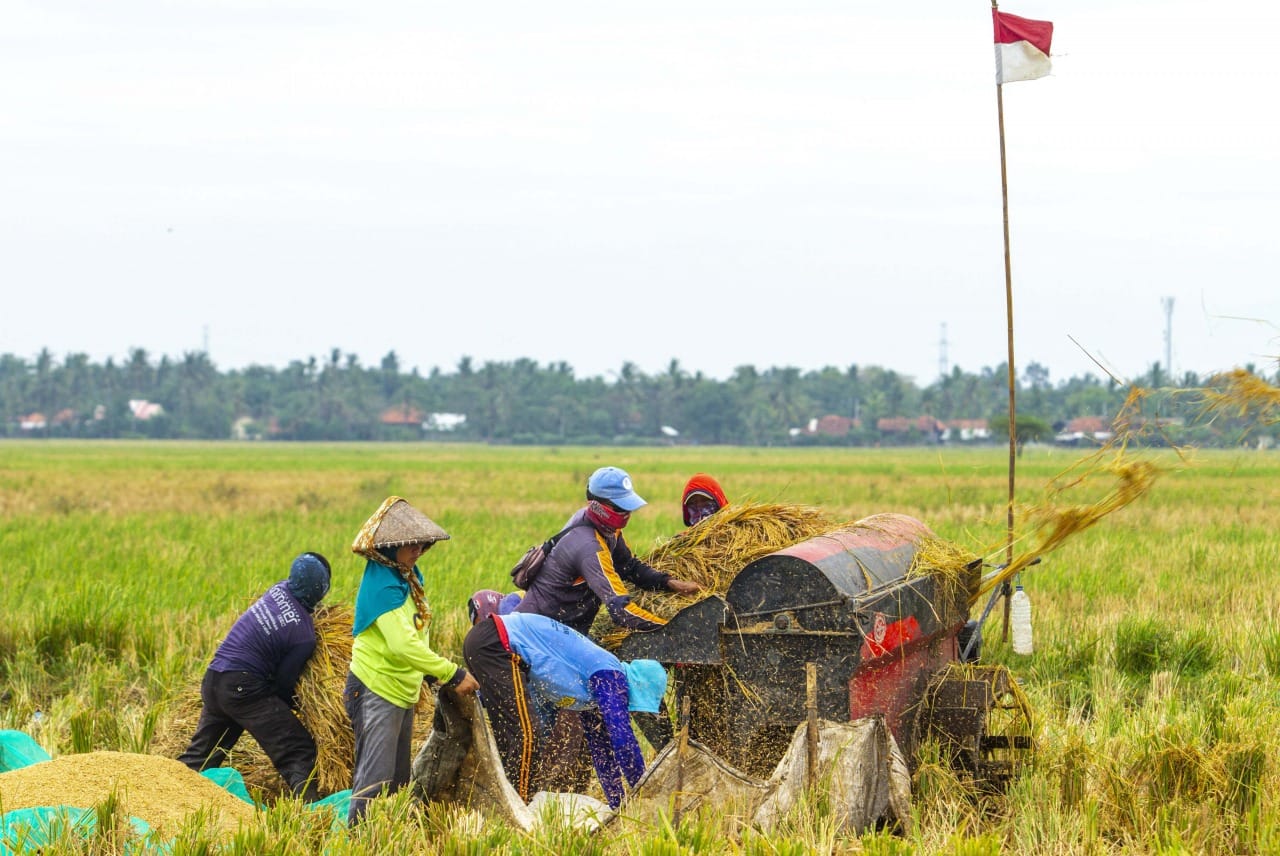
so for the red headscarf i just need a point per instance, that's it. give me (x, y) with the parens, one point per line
(703, 484)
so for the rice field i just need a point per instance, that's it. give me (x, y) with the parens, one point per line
(1156, 676)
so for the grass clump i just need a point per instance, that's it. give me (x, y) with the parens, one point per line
(1144, 646)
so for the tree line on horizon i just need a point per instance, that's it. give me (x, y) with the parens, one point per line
(338, 398)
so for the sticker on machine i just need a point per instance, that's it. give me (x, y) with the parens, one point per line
(878, 628)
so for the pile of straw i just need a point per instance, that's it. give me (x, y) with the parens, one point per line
(319, 694)
(957, 570)
(320, 698)
(713, 552)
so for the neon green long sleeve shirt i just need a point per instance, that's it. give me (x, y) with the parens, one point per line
(390, 657)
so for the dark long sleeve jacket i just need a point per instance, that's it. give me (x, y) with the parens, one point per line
(589, 568)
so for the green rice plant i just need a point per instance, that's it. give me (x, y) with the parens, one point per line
(86, 620)
(885, 844)
(699, 833)
(94, 728)
(1245, 768)
(1065, 666)
(978, 845)
(1144, 646)
(1269, 644)
(113, 832)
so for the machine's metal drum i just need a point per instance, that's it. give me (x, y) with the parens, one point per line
(817, 580)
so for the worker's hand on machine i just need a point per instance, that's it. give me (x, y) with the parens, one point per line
(683, 586)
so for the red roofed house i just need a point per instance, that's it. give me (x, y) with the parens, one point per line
(1082, 429)
(403, 415)
(33, 422)
(927, 425)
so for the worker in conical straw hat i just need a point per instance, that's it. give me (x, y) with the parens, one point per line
(391, 654)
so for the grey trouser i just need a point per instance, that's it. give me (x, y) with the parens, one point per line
(383, 751)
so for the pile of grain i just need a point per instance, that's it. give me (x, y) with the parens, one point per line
(319, 692)
(161, 791)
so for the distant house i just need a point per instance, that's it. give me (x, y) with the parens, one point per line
(246, 428)
(896, 425)
(1083, 429)
(143, 410)
(402, 415)
(33, 422)
(444, 421)
(967, 430)
(827, 426)
(65, 416)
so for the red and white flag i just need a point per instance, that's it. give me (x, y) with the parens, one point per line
(1022, 47)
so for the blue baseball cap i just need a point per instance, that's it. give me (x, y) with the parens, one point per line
(646, 684)
(614, 485)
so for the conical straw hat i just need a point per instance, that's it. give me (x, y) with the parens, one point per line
(396, 523)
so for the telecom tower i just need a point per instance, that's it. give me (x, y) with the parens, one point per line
(943, 367)
(1167, 303)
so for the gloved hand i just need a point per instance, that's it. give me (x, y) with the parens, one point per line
(683, 586)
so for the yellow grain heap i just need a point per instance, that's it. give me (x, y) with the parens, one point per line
(161, 791)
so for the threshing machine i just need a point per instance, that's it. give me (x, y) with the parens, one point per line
(884, 631)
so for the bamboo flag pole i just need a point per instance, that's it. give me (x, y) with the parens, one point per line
(1022, 53)
(1008, 302)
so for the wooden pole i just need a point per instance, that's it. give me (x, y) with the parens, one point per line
(1008, 303)
(811, 728)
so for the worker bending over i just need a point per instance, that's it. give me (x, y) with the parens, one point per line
(529, 667)
(249, 685)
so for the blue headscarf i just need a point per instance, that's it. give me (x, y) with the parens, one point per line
(646, 684)
(309, 579)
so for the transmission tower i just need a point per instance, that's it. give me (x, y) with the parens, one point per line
(1167, 303)
(943, 367)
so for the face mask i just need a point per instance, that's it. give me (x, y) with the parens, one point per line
(607, 517)
(699, 514)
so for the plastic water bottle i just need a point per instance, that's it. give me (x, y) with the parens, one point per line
(1020, 616)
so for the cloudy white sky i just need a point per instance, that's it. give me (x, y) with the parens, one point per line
(722, 182)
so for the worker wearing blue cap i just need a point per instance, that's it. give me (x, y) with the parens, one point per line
(530, 667)
(591, 563)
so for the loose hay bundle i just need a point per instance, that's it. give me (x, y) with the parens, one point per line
(1242, 395)
(320, 698)
(161, 791)
(319, 694)
(712, 552)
